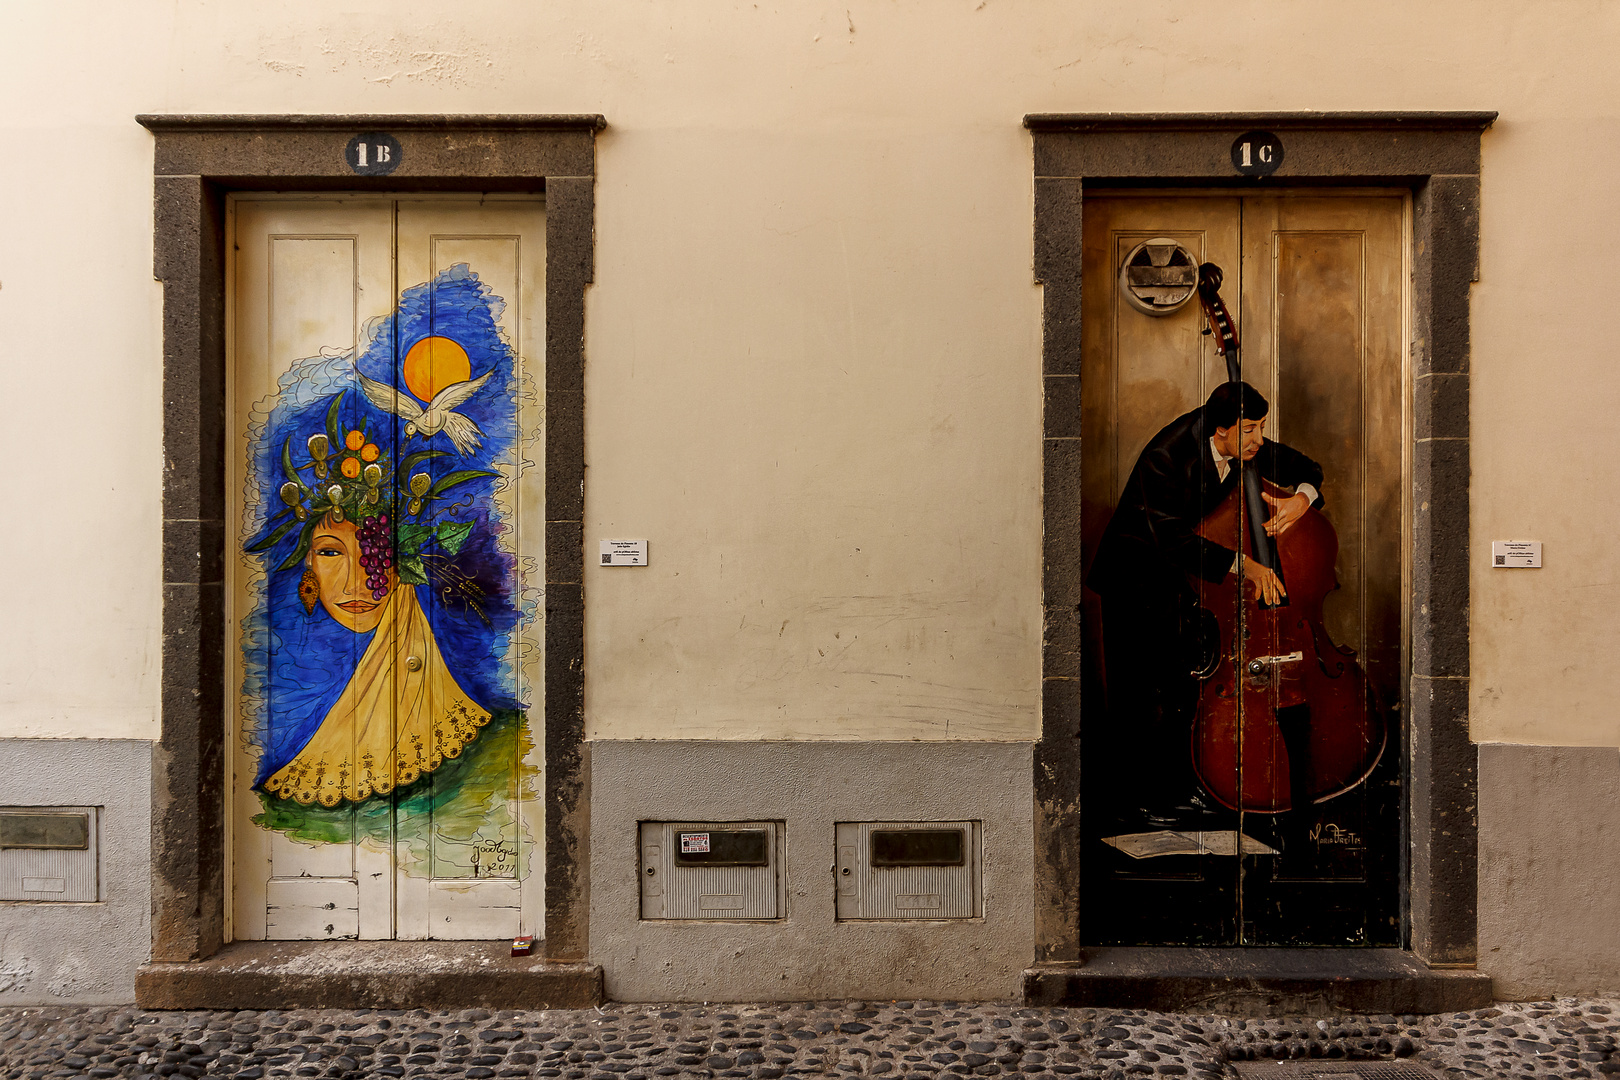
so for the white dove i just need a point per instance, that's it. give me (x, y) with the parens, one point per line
(438, 416)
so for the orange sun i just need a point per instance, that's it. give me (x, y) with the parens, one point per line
(433, 364)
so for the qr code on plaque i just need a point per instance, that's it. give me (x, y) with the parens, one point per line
(607, 559)
(1501, 560)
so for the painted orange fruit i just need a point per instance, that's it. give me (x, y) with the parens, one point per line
(350, 467)
(354, 440)
(433, 364)
(369, 452)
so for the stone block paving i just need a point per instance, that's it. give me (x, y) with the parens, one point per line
(895, 1040)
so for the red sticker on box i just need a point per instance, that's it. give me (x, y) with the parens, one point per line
(694, 843)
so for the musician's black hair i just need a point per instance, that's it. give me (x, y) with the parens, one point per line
(1221, 410)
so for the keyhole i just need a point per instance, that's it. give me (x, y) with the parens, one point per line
(651, 871)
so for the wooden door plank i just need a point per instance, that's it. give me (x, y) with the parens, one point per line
(1324, 300)
(1140, 373)
(463, 869)
(306, 275)
(312, 909)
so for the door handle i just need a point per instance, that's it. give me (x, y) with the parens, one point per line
(1259, 664)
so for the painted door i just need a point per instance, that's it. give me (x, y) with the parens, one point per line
(1234, 792)
(384, 586)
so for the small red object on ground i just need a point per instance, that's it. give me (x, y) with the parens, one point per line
(523, 946)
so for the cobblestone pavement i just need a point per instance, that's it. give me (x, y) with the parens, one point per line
(936, 1040)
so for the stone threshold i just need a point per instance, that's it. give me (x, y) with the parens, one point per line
(1256, 982)
(368, 975)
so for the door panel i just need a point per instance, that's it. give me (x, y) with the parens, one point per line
(1315, 284)
(387, 593)
(303, 273)
(1323, 298)
(292, 859)
(1140, 373)
(312, 909)
(468, 909)
(475, 850)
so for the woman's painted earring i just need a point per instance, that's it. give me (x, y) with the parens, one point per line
(309, 591)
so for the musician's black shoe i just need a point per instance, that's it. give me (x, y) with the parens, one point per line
(1160, 817)
(1196, 805)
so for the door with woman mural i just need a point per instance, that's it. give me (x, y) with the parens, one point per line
(383, 554)
(1241, 764)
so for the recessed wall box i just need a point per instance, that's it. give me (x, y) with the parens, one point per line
(908, 870)
(711, 870)
(48, 853)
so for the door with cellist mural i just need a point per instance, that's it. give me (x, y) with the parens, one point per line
(1242, 389)
(383, 539)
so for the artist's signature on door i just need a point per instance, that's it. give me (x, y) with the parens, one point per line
(1329, 834)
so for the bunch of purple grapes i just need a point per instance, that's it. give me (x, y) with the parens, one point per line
(376, 553)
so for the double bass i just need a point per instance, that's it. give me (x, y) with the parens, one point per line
(1285, 716)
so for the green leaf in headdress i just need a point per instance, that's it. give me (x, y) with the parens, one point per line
(450, 480)
(452, 534)
(332, 432)
(270, 541)
(302, 547)
(411, 537)
(411, 459)
(411, 571)
(292, 473)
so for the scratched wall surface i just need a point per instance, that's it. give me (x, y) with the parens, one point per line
(81, 953)
(813, 336)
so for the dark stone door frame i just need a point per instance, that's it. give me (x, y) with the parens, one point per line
(1436, 156)
(198, 161)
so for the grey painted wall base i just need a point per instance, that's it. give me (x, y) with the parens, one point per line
(1549, 869)
(82, 953)
(811, 786)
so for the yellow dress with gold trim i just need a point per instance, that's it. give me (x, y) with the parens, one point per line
(401, 716)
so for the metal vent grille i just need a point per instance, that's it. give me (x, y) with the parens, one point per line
(1333, 1070)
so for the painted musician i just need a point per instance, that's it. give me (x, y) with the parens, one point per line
(1143, 571)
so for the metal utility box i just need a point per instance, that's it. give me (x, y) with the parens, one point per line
(49, 853)
(908, 870)
(711, 870)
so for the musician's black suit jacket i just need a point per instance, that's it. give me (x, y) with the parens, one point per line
(1152, 542)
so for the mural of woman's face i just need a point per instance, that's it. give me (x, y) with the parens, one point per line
(334, 555)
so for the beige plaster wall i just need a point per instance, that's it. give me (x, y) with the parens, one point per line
(814, 339)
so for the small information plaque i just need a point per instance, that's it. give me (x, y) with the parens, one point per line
(624, 553)
(1516, 554)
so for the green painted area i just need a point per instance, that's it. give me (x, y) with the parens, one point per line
(459, 821)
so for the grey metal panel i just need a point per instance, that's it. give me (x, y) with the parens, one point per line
(63, 875)
(669, 891)
(905, 892)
